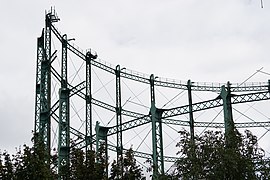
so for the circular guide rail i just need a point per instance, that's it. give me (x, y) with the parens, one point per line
(238, 93)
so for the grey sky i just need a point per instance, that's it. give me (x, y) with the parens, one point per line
(212, 41)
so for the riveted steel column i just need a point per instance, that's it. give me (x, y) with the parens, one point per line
(118, 109)
(64, 117)
(45, 87)
(88, 98)
(191, 119)
(228, 117)
(40, 58)
(157, 141)
(102, 145)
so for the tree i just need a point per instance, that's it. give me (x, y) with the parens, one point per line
(87, 165)
(209, 156)
(131, 170)
(6, 167)
(28, 163)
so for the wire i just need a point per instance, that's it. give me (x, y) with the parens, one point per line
(77, 71)
(172, 99)
(75, 110)
(143, 139)
(138, 104)
(263, 72)
(139, 137)
(173, 140)
(135, 96)
(250, 77)
(210, 123)
(103, 86)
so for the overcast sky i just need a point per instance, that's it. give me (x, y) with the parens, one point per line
(210, 40)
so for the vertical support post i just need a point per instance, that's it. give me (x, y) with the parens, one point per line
(64, 117)
(45, 87)
(157, 141)
(88, 106)
(118, 109)
(191, 119)
(228, 117)
(269, 86)
(102, 147)
(40, 58)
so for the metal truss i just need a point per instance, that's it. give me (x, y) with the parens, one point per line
(229, 94)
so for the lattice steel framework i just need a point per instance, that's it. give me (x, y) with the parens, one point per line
(228, 94)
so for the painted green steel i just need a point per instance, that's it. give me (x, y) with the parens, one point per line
(191, 119)
(43, 83)
(157, 139)
(118, 110)
(45, 87)
(228, 114)
(165, 82)
(88, 104)
(44, 111)
(101, 140)
(40, 58)
(64, 116)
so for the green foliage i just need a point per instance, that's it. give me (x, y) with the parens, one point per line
(210, 156)
(127, 168)
(28, 163)
(87, 165)
(6, 171)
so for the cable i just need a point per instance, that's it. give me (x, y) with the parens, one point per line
(77, 71)
(172, 99)
(103, 86)
(138, 104)
(250, 76)
(139, 137)
(250, 106)
(143, 139)
(75, 110)
(263, 72)
(135, 96)
(173, 140)
(210, 123)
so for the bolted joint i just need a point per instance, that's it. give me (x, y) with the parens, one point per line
(118, 110)
(45, 64)
(88, 99)
(44, 116)
(159, 113)
(119, 150)
(64, 93)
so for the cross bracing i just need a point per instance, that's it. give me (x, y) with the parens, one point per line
(184, 114)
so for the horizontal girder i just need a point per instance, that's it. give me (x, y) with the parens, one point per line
(164, 82)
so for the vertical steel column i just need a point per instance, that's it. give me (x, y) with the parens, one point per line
(40, 58)
(64, 117)
(101, 140)
(88, 106)
(191, 119)
(157, 141)
(118, 110)
(227, 110)
(45, 87)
